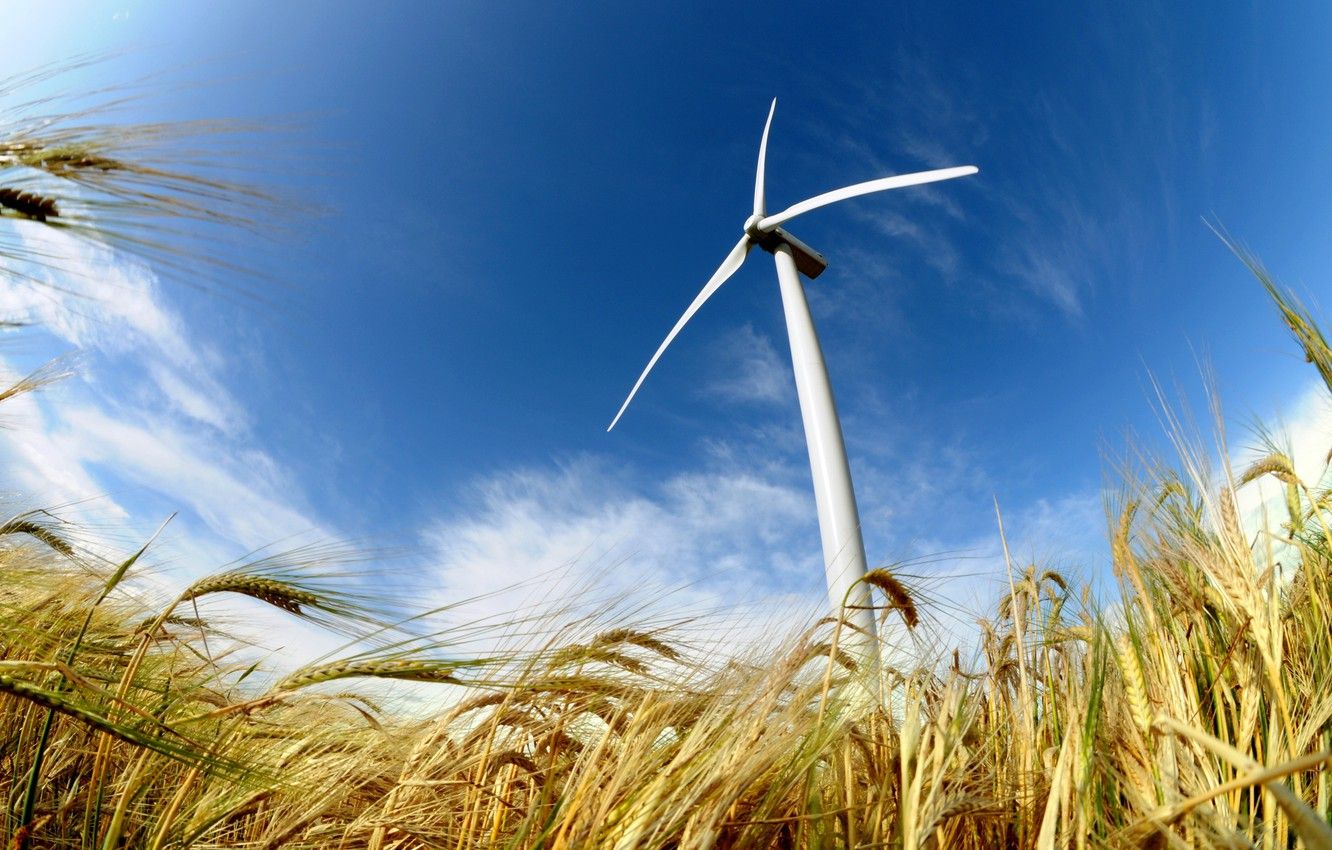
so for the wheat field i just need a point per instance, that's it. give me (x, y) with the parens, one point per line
(1190, 710)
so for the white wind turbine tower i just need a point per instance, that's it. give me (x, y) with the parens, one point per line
(839, 520)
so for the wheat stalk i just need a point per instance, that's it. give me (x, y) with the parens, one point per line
(417, 670)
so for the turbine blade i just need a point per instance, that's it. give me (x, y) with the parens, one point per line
(883, 184)
(724, 271)
(760, 202)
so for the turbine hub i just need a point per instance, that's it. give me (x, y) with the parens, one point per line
(752, 226)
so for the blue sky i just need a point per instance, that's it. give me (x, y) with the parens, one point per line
(508, 205)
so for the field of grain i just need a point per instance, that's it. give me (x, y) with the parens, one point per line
(1191, 710)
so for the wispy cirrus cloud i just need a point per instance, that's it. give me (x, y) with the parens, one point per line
(1303, 433)
(144, 428)
(101, 302)
(749, 369)
(146, 415)
(723, 526)
(1050, 221)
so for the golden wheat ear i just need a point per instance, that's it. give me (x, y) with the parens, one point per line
(23, 524)
(898, 596)
(314, 582)
(637, 638)
(167, 192)
(416, 670)
(1275, 464)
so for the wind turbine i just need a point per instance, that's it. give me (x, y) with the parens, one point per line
(839, 520)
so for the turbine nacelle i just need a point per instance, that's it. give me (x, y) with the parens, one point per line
(809, 262)
(764, 231)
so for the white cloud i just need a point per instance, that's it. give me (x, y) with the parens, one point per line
(41, 466)
(202, 401)
(749, 370)
(99, 301)
(143, 428)
(936, 249)
(735, 553)
(145, 425)
(726, 540)
(1305, 435)
(720, 528)
(1307, 429)
(1051, 271)
(236, 499)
